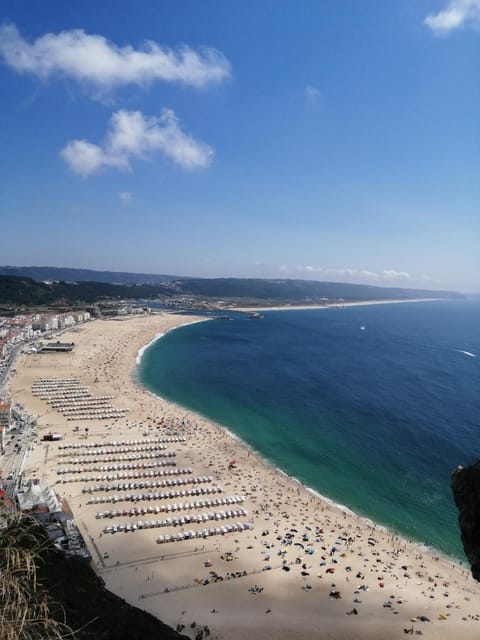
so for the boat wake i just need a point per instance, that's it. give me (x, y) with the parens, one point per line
(467, 353)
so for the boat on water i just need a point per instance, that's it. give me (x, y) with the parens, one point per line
(254, 315)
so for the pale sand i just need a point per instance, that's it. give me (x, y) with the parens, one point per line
(331, 305)
(140, 570)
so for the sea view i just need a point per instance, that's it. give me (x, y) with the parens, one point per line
(371, 406)
(239, 320)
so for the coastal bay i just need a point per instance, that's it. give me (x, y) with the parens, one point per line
(372, 405)
(385, 583)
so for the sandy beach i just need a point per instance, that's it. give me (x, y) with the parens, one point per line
(305, 569)
(332, 305)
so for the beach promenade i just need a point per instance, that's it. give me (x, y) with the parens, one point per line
(207, 534)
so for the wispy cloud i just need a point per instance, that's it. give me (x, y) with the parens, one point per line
(312, 94)
(125, 197)
(347, 273)
(454, 15)
(94, 61)
(134, 135)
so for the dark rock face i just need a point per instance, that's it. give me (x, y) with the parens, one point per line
(466, 492)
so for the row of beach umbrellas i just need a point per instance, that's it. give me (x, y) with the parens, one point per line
(129, 475)
(57, 382)
(73, 399)
(204, 533)
(169, 508)
(121, 467)
(67, 395)
(147, 484)
(162, 495)
(121, 443)
(59, 389)
(71, 396)
(94, 414)
(196, 518)
(114, 450)
(80, 404)
(122, 458)
(97, 416)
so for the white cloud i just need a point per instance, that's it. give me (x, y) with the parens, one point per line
(378, 277)
(133, 135)
(455, 14)
(312, 94)
(125, 197)
(84, 158)
(96, 62)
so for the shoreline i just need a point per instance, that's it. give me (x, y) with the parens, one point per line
(290, 604)
(420, 545)
(141, 351)
(332, 305)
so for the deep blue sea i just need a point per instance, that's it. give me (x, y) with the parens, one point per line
(372, 406)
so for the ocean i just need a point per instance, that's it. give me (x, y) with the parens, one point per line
(371, 406)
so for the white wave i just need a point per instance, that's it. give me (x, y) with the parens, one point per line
(142, 350)
(234, 436)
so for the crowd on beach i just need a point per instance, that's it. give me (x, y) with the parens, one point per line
(296, 566)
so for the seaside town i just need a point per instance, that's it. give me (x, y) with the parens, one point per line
(30, 334)
(33, 334)
(184, 521)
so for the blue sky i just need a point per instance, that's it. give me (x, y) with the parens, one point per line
(312, 139)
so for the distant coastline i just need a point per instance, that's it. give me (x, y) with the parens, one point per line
(18, 288)
(331, 305)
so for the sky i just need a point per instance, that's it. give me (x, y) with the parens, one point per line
(310, 139)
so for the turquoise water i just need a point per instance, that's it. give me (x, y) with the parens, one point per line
(375, 418)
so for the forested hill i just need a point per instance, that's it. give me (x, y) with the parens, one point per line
(275, 289)
(300, 290)
(15, 290)
(85, 275)
(26, 291)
